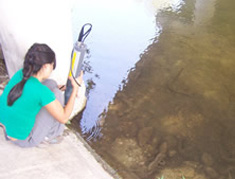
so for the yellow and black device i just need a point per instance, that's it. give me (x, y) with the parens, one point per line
(78, 53)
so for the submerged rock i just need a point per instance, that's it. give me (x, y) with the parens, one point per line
(207, 159)
(155, 141)
(127, 152)
(163, 148)
(172, 153)
(211, 172)
(145, 135)
(160, 158)
(174, 173)
(129, 175)
(157, 162)
(192, 164)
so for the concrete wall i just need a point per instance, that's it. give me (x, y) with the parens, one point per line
(25, 22)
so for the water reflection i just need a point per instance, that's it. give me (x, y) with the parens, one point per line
(122, 30)
(175, 114)
(204, 12)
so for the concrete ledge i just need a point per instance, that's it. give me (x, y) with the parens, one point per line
(67, 160)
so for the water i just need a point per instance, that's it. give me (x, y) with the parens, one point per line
(111, 58)
(168, 106)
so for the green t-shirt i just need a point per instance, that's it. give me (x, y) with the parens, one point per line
(19, 118)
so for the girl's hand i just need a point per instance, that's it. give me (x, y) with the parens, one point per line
(78, 79)
(62, 87)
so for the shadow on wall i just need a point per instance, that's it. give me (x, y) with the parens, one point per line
(3, 72)
(1, 54)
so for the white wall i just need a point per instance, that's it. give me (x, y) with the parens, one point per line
(24, 22)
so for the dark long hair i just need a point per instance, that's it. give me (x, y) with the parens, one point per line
(35, 58)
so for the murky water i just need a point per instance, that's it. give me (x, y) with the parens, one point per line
(173, 112)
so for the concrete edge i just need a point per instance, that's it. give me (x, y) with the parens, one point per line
(98, 158)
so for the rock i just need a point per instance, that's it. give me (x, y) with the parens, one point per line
(192, 164)
(149, 150)
(172, 153)
(129, 175)
(130, 129)
(127, 152)
(171, 141)
(223, 177)
(163, 148)
(211, 172)
(145, 135)
(155, 141)
(189, 172)
(199, 176)
(207, 159)
(178, 172)
(158, 161)
(230, 176)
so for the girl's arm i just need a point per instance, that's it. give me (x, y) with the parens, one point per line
(59, 112)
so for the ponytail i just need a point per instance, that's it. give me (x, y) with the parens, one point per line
(16, 91)
(36, 57)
